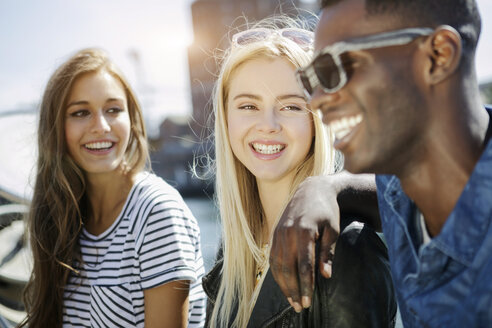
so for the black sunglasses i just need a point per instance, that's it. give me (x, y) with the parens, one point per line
(327, 69)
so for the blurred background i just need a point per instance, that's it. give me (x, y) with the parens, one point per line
(165, 49)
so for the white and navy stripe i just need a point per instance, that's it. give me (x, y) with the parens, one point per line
(155, 240)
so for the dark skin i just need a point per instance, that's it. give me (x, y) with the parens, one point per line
(429, 133)
(294, 242)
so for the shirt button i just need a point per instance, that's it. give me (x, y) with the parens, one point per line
(412, 310)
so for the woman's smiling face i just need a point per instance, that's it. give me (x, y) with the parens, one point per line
(97, 123)
(269, 124)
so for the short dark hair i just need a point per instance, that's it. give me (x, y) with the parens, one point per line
(462, 15)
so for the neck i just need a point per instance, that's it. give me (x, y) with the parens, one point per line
(107, 194)
(273, 197)
(440, 171)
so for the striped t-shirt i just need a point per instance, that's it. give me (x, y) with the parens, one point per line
(154, 240)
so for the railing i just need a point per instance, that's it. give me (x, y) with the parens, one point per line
(15, 264)
(17, 154)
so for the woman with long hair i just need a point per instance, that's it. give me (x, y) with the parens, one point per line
(113, 244)
(267, 141)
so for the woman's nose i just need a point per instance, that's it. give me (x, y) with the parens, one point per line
(100, 124)
(268, 122)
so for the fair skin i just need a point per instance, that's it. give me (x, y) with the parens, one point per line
(418, 123)
(97, 131)
(270, 128)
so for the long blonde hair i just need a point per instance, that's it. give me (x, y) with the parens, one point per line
(236, 189)
(59, 206)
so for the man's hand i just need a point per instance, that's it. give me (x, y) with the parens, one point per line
(313, 215)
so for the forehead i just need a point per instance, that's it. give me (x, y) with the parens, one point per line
(265, 76)
(348, 19)
(99, 84)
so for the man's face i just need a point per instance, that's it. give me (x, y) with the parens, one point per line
(378, 116)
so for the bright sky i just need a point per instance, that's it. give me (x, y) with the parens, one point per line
(36, 36)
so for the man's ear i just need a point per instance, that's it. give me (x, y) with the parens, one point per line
(444, 52)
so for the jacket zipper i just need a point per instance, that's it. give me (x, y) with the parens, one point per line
(276, 317)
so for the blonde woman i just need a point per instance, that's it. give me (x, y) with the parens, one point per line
(113, 244)
(267, 141)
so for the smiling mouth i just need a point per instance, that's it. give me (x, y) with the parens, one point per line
(345, 125)
(267, 149)
(103, 145)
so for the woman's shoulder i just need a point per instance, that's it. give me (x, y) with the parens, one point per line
(149, 187)
(158, 207)
(149, 181)
(152, 196)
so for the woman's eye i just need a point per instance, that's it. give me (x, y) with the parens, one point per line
(115, 110)
(293, 108)
(247, 107)
(80, 113)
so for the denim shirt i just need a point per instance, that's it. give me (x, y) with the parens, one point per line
(447, 282)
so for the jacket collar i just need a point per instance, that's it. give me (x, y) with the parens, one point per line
(270, 305)
(211, 281)
(271, 302)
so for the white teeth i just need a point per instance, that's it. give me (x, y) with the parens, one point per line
(343, 126)
(267, 149)
(99, 145)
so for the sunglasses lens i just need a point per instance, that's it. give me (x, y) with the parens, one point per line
(251, 36)
(304, 39)
(305, 82)
(327, 71)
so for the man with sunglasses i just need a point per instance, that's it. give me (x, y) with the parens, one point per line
(396, 83)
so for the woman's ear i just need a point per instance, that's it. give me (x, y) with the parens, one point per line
(444, 51)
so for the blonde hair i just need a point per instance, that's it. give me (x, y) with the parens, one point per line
(236, 189)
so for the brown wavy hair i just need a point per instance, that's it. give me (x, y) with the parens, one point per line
(59, 206)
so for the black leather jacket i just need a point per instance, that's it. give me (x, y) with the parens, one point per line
(359, 294)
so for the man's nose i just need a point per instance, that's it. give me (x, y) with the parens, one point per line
(319, 98)
(324, 101)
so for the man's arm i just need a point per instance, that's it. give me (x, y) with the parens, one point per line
(314, 214)
(357, 197)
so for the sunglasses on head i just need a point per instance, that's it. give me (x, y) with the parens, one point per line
(327, 69)
(303, 38)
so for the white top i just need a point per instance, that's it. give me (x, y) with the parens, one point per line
(154, 240)
(426, 238)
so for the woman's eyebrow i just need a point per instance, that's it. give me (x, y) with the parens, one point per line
(247, 95)
(256, 97)
(115, 99)
(288, 96)
(78, 102)
(85, 102)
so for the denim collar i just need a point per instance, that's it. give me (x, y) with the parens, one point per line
(466, 227)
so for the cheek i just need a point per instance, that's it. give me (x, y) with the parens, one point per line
(234, 135)
(304, 134)
(71, 136)
(235, 132)
(124, 126)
